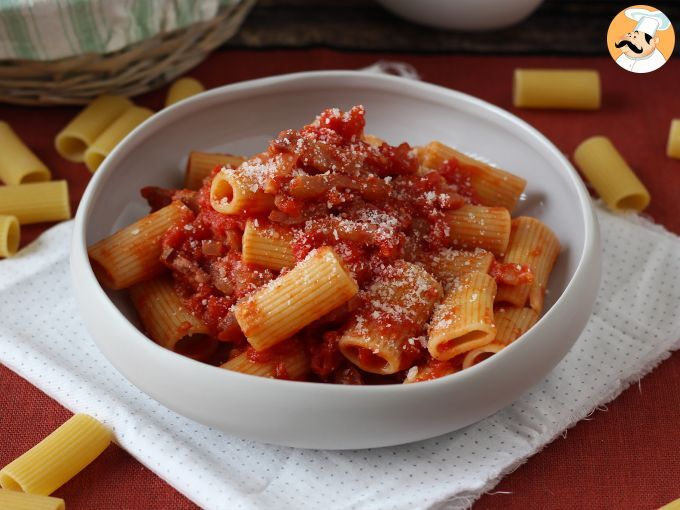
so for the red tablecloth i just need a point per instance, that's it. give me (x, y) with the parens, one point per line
(624, 457)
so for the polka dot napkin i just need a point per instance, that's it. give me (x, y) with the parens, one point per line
(635, 323)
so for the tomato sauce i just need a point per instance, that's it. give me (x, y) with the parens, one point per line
(372, 203)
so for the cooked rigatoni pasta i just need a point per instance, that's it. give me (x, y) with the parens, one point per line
(241, 190)
(534, 244)
(448, 265)
(182, 89)
(83, 130)
(132, 254)
(306, 293)
(201, 164)
(10, 235)
(291, 362)
(333, 256)
(476, 355)
(464, 321)
(57, 458)
(18, 164)
(267, 245)
(14, 500)
(167, 321)
(113, 134)
(491, 186)
(477, 226)
(36, 202)
(395, 309)
(511, 323)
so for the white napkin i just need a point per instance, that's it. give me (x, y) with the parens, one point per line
(635, 323)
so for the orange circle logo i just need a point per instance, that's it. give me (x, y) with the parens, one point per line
(640, 39)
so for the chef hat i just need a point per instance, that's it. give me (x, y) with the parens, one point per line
(648, 21)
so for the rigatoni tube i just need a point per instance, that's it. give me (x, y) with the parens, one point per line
(18, 164)
(306, 293)
(168, 322)
(511, 323)
(14, 500)
(83, 130)
(294, 362)
(464, 321)
(182, 89)
(267, 245)
(201, 164)
(10, 235)
(131, 255)
(532, 243)
(36, 202)
(492, 186)
(57, 458)
(395, 309)
(477, 226)
(113, 134)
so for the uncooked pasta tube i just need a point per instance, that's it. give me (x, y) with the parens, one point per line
(36, 202)
(107, 141)
(10, 235)
(83, 130)
(57, 458)
(183, 88)
(567, 89)
(18, 165)
(673, 149)
(610, 175)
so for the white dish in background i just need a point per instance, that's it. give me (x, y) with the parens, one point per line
(241, 118)
(465, 15)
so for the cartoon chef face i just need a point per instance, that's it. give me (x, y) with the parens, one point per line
(637, 44)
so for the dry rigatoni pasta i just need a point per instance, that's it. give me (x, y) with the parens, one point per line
(57, 458)
(36, 202)
(448, 265)
(289, 362)
(10, 235)
(18, 164)
(182, 89)
(132, 254)
(14, 500)
(201, 164)
(477, 226)
(306, 293)
(393, 316)
(113, 134)
(511, 323)
(85, 128)
(464, 321)
(168, 322)
(565, 89)
(267, 245)
(492, 186)
(533, 244)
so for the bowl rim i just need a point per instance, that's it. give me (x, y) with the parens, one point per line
(307, 79)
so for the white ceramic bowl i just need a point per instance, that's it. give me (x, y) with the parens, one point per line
(465, 15)
(241, 118)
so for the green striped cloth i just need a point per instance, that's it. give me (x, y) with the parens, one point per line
(54, 29)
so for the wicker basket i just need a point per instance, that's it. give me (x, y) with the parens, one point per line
(129, 72)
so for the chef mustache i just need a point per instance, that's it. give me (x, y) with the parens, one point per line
(626, 42)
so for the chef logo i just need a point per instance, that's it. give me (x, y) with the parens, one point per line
(640, 39)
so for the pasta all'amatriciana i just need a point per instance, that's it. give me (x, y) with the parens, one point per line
(333, 256)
